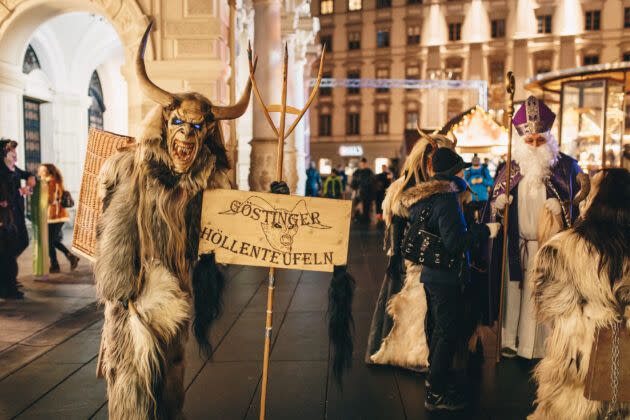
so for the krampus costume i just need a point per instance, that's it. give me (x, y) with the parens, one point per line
(147, 268)
(397, 334)
(582, 282)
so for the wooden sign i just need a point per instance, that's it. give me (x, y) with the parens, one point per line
(273, 230)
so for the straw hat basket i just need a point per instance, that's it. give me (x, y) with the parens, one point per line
(101, 145)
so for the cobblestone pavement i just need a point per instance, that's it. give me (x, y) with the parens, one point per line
(50, 344)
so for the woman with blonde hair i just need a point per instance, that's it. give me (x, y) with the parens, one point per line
(397, 334)
(57, 216)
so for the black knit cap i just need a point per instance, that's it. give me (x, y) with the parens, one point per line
(447, 162)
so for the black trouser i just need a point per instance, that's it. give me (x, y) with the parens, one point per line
(442, 302)
(8, 274)
(380, 196)
(367, 208)
(54, 242)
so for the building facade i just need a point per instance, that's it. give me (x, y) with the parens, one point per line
(429, 39)
(66, 65)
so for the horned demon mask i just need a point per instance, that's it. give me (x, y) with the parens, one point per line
(189, 118)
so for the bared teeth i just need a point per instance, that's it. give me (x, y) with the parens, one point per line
(183, 150)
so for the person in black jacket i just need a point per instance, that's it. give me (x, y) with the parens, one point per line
(13, 233)
(441, 196)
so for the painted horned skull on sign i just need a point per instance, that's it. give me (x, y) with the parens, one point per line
(148, 237)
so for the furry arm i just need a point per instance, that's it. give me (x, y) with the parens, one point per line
(554, 295)
(116, 269)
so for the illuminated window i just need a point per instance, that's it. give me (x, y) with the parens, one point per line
(591, 59)
(354, 40)
(382, 122)
(413, 35)
(326, 7)
(454, 31)
(383, 74)
(544, 24)
(355, 5)
(498, 28)
(382, 39)
(325, 124)
(593, 18)
(354, 74)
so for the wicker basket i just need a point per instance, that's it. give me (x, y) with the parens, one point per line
(101, 145)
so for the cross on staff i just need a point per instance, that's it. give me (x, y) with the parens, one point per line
(283, 109)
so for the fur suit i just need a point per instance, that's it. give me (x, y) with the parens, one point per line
(144, 341)
(147, 270)
(573, 298)
(397, 334)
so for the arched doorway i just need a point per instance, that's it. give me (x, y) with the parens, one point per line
(58, 61)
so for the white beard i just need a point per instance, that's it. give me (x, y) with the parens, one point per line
(535, 162)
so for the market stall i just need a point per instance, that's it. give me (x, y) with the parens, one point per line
(592, 113)
(477, 132)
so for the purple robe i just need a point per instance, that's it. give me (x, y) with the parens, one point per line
(562, 185)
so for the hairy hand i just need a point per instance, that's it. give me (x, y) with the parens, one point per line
(280, 187)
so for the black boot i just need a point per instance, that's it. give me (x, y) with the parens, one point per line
(450, 400)
(74, 261)
(54, 268)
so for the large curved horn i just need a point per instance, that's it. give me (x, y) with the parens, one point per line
(154, 92)
(585, 187)
(234, 111)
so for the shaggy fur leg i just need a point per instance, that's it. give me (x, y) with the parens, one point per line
(208, 284)
(340, 322)
(174, 391)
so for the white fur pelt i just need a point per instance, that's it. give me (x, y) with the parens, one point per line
(406, 344)
(135, 360)
(574, 299)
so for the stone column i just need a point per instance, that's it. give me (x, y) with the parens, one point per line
(520, 66)
(244, 125)
(268, 47)
(11, 107)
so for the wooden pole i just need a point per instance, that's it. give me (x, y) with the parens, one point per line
(272, 271)
(509, 86)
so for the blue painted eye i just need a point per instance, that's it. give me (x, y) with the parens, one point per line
(177, 121)
(197, 126)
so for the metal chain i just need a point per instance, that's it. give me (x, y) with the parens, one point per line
(614, 371)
